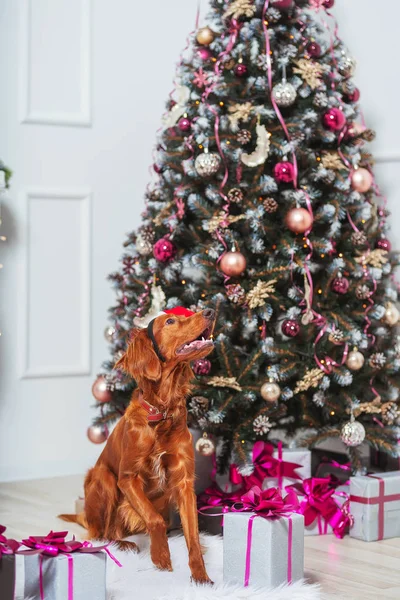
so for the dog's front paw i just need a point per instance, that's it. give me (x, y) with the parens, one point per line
(200, 577)
(161, 559)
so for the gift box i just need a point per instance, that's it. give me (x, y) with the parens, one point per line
(211, 520)
(321, 524)
(272, 558)
(325, 463)
(88, 576)
(287, 457)
(8, 549)
(381, 461)
(375, 506)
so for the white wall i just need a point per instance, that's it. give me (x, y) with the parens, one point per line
(134, 48)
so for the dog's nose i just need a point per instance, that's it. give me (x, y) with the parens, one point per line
(209, 313)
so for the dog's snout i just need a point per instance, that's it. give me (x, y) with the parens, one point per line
(209, 313)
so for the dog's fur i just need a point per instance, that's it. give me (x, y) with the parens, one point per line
(144, 466)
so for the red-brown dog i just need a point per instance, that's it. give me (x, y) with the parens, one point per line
(148, 461)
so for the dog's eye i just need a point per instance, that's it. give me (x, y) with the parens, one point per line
(170, 321)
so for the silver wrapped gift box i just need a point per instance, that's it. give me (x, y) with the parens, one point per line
(272, 563)
(299, 456)
(89, 576)
(7, 576)
(375, 506)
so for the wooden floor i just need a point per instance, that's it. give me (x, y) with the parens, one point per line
(347, 569)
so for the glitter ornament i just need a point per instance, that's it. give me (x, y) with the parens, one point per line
(100, 390)
(334, 119)
(205, 36)
(284, 172)
(109, 333)
(284, 94)
(164, 250)
(243, 136)
(392, 314)
(340, 285)
(384, 244)
(270, 391)
(236, 293)
(353, 433)
(355, 360)
(290, 328)
(240, 70)
(235, 195)
(313, 50)
(201, 366)
(207, 164)
(361, 180)
(205, 446)
(347, 66)
(270, 205)
(143, 245)
(233, 263)
(358, 238)
(184, 124)
(96, 434)
(298, 220)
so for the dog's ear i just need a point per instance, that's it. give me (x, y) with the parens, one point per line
(140, 360)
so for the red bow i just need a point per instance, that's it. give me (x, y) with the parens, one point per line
(270, 503)
(7, 545)
(214, 496)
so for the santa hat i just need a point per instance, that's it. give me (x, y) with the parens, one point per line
(179, 311)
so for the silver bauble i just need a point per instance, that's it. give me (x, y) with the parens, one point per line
(207, 164)
(347, 66)
(392, 314)
(143, 246)
(353, 433)
(284, 94)
(355, 360)
(109, 333)
(270, 391)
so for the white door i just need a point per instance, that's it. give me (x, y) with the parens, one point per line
(83, 86)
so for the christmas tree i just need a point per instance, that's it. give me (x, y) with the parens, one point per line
(265, 208)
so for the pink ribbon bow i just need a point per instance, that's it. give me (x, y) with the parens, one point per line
(215, 496)
(7, 545)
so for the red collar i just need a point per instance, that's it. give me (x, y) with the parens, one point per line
(154, 415)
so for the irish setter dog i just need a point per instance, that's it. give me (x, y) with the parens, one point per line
(148, 461)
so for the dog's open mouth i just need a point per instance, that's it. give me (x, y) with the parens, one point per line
(202, 341)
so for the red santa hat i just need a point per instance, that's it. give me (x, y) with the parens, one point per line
(179, 311)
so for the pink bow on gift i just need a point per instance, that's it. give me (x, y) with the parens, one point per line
(7, 545)
(53, 543)
(214, 496)
(319, 502)
(270, 502)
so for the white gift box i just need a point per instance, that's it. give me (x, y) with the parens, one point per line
(299, 456)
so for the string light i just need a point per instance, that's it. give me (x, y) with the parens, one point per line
(319, 291)
(332, 412)
(322, 255)
(221, 103)
(183, 281)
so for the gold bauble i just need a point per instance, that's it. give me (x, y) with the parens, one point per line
(205, 36)
(205, 446)
(391, 314)
(97, 434)
(232, 263)
(355, 360)
(270, 391)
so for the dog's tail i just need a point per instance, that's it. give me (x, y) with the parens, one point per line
(79, 518)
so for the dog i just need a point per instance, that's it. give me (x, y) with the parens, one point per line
(148, 461)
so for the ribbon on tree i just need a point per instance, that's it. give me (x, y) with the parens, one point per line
(55, 543)
(319, 504)
(267, 504)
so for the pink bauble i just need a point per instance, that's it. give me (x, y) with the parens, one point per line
(100, 390)
(329, 3)
(361, 180)
(201, 366)
(240, 70)
(340, 285)
(284, 172)
(204, 53)
(282, 4)
(96, 434)
(290, 328)
(334, 119)
(157, 168)
(299, 220)
(184, 124)
(313, 49)
(164, 250)
(232, 264)
(353, 97)
(384, 244)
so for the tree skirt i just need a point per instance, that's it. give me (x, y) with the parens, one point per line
(140, 579)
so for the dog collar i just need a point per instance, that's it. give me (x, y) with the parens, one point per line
(154, 415)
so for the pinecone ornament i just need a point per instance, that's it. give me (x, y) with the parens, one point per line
(261, 425)
(270, 205)
(390, 413)
(235, 195)
(236, 293)
(243, 136)
(362, 291)
(377, 360)
(198, 405)
(336, 337)
(358, 238)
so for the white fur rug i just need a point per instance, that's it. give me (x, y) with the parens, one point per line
(140, 579)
